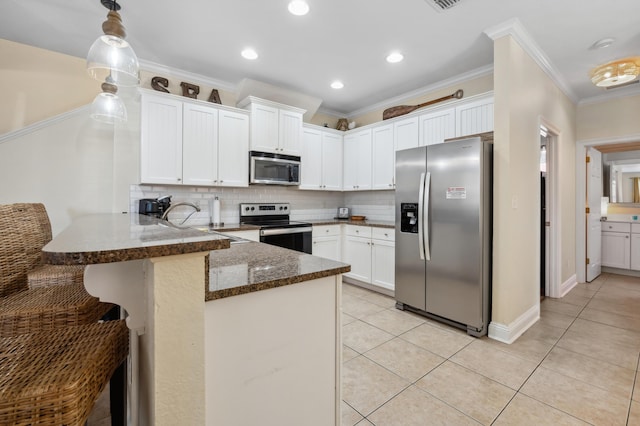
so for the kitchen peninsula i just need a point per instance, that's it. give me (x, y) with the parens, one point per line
(257, 340)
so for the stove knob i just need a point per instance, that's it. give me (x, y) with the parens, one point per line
(285, 207)
(281, 207)
(253, 208)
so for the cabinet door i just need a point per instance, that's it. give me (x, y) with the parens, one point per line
(383, 263)
(635, 252)
(161, 140)
(383, 157)
(290, 132)
(233, 148)
(350, 165)
(437, 126)
(364, 160)
(474, 117)
(311, 159)
(199, 145)
(407, 133)
(616, 250)
(331, 162)
(357, 253)
(264, 128)
(327, 247)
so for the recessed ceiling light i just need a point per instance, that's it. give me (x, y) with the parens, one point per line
(298, 7)
(249, 54)
(395, 57)
(603, 43)
(337, 85)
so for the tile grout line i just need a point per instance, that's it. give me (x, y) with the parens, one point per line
(518, 391)
(633, 388)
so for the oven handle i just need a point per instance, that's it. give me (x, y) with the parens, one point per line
(284, 231)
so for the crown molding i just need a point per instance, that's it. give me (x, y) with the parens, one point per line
(187, 76)
(611, 95)
(517, 31)
(634, 137)
(34, 127)
(478, 72)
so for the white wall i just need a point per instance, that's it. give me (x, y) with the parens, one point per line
(525, 98)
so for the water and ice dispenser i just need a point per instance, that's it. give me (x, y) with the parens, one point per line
(409, 217)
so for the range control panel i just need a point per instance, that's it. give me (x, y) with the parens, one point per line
(259, 209)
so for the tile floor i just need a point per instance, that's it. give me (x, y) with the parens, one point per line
(578, 365)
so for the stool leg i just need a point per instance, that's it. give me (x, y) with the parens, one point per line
(118, 396)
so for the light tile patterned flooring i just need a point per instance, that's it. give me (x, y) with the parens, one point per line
(578, 365)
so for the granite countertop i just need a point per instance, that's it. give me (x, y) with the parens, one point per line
(374, 223)
(106, 238)
(251, 266)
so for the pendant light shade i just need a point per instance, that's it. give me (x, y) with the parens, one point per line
(111, 55)
(107, 107)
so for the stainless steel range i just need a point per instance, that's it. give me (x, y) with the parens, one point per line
(275, 226)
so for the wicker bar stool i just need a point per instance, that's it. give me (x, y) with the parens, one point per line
(57, 297)
(54, 378)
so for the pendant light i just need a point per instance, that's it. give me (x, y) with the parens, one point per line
(107, 107)
(110, 55)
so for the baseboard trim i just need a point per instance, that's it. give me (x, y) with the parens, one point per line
(568, 285)
(509, 333)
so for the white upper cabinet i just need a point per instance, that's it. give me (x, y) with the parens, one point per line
(311, 159)
(321, 160)
(357, 161)
(406, 133)
(383, 166)
(474, 117)
(161, 140)
(233, 148)
(275, 127)
(192, 142)
(437, 126)
(199, 144)
(331, 161)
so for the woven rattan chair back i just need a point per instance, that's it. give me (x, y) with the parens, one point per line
(24, 230)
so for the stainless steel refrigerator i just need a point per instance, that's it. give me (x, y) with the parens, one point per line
(443, 232)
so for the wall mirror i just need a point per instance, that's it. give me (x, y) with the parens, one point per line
(621, 177)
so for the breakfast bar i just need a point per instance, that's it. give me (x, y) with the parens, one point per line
(221, 333)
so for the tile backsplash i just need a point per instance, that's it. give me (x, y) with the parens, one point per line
(305, 205)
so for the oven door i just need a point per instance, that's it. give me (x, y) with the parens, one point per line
(298, 239)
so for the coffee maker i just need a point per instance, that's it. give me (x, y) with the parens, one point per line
(154, 206)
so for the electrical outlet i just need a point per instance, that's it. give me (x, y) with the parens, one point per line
(514, 202)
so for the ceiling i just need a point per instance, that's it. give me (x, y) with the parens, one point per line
(345, 40)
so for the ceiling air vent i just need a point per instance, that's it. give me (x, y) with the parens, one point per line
(441, 5)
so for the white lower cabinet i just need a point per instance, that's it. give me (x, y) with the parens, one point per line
(371, 253)
(326, 242)
(635, 246)
(616, 245)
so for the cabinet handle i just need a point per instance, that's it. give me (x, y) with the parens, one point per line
(179, 180)
(386, 235)
(221, 181)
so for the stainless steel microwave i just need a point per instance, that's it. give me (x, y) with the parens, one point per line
(273, 169)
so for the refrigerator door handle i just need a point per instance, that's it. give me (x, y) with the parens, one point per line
(425, 217)
(420, 217)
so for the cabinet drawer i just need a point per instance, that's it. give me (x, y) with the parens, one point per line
(635, 228)
(358, 231)
(325, 230)
(616, 227)
(387, 234)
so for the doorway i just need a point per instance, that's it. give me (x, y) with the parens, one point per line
(545, 223)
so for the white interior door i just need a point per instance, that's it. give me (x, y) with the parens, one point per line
(594, 226)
